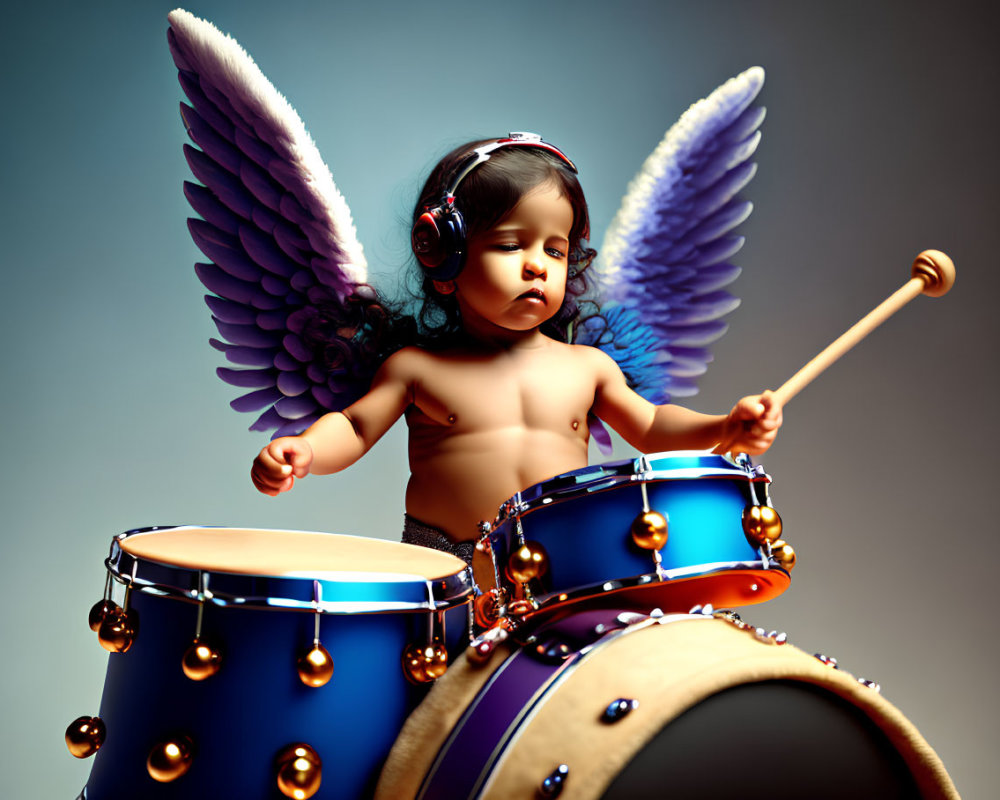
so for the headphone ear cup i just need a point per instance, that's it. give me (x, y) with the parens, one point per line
(453, 241)
(438, 241)
(426, 240)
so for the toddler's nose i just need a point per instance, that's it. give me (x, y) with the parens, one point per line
(533, 270)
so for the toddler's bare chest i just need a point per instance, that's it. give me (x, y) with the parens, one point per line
(478, 397)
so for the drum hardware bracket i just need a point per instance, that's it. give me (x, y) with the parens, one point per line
(644, 471)
(632, 617)
(470, 616)
(482, 647)
(483, 544)
(658, 566)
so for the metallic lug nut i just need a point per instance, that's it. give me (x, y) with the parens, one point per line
(618, 709)
(552, 786)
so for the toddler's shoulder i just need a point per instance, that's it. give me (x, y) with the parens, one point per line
(406, 363)
(413, 361)
(593, 357)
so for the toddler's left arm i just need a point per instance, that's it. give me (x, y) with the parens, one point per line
(750, 427)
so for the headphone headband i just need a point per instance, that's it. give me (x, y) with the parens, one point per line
(514, 139)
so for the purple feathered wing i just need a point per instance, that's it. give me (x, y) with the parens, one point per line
(666, 256)
(283, 251)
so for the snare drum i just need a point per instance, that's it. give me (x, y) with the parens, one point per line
(614, 704)
(269, 610)
(579, 529)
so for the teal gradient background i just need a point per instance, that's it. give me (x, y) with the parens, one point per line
(880, 142)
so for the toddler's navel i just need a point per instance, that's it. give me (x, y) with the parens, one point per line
(576, 424)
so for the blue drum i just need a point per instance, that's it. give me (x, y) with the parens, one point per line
(669, 530)
(260, 664)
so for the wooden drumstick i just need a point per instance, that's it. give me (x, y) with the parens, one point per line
(933, 275)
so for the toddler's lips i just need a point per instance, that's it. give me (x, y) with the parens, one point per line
(533, 294)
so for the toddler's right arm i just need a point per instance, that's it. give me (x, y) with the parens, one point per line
(337, 440)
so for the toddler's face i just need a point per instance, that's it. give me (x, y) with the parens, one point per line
(515, 273)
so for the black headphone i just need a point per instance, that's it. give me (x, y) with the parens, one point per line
(438, 237)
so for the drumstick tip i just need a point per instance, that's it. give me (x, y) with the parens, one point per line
(936, 270)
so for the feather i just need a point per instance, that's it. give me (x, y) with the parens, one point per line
(205, 108)
(270, 419)
(296, 426)
(211, 143)
(247, 378)
(262, 249)
(225, 285)
(293, 384)
(255, 401)
(272, 320)
(248, 356)
(228, 311)
(209, 208)
(247, 335)
(224, 250)
(297, 348)
(296, 407)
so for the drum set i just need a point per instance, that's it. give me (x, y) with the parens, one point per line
(260, 664)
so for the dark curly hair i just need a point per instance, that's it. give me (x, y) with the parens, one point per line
(485, 197)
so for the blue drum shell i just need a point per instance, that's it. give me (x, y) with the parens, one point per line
(241, 717)
(583, 521)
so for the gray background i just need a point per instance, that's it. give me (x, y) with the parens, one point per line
(880, 142)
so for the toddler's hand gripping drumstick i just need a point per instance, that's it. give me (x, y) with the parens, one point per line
(933, 275)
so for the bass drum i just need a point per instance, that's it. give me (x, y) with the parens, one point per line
(611, 704)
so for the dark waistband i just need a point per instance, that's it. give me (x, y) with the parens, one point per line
(419, 533)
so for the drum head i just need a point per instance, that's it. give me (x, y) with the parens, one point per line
(814, 743)
(281, 553)
(288, 569)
